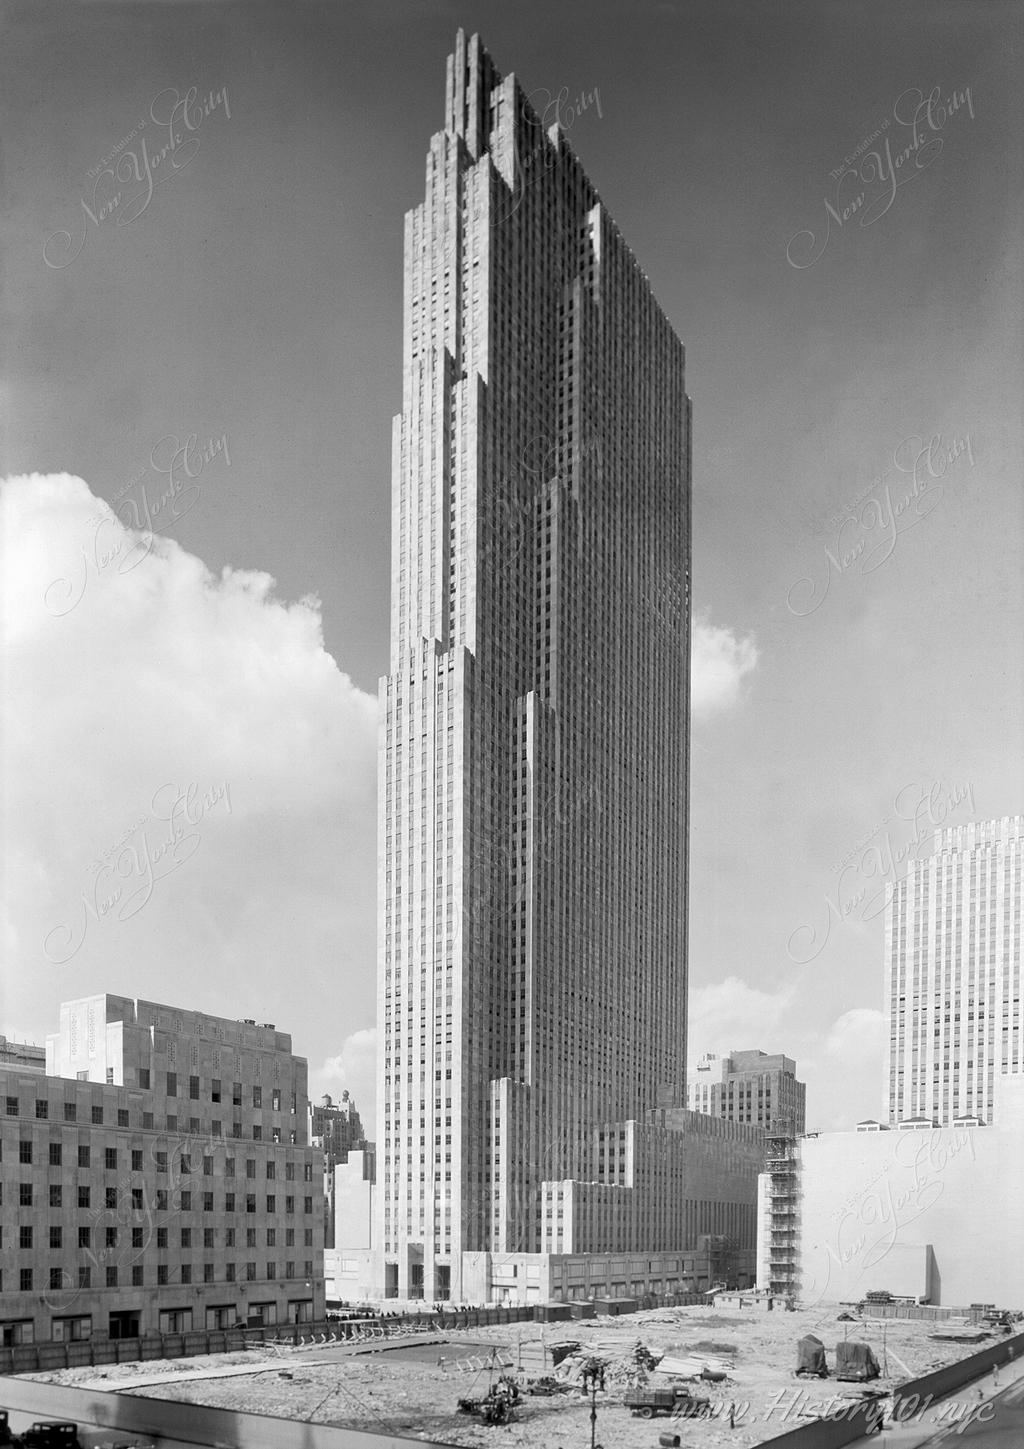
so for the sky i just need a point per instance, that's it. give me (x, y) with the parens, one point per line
(202, 234)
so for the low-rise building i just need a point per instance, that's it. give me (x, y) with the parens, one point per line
(158, 1178)
(916, 1210)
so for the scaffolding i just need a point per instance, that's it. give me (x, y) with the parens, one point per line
(782, 1166)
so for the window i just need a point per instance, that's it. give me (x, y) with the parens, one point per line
(137, 1200)
(24, 1194)
(236, 1094)
(97, 1116)
(289, 1171)
(257, 1132)
(186, 1162)
(275, 1099)
(307, 1204)
(172, 1084)
(207, 1202)
(144, 1078)
(55, 1154)
(42, 1109)
(250, 1167)
(229, 1273)
(25, 1237)
(83, 1157)
(186, 1272)
(111, 1277)
(110, 1159)
(229, 1237)
(186, 1202)
(13, 1107)
(186, 1237)
(207, 1166)
(70, 1112)
(122, 1116)
(229, 1167)
(207, 1272)
(161, 1161)
(110, 1198)
(137, 1241)
(250, 1237)
(215, 1090)
(208, 1238)
(229, 1202)
(56, 1277)
(56, 1236)
(161, 1273)
(110, 1235)
(161, 1237)
(250, 1271)
(250, 1202)
(257, 1097)
(56, 1195)
(289, 1204)
(83, 1237)
(84, 1276)
(161, 1199)
(136, 1159)
(83, 1197)
(25, 1280)
(271, 1237)
(24, 1151)
(271, 1170)
(193, 1088)
(137, 1275)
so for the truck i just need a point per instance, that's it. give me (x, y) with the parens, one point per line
(673, 1400)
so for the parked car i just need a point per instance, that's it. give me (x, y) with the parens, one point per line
(52, 1435)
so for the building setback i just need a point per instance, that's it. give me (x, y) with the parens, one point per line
(157, 1178)
(953, 974)
(750, 1087)
(533, 781)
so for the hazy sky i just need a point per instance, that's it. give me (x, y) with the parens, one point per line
(202, 233)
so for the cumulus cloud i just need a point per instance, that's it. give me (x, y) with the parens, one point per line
(190, 780)
(354, 1069)
(729, 1015)
(720, 661)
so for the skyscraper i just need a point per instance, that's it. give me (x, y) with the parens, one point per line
(953, 969)
(534, 739)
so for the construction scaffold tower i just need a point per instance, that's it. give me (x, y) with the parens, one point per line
(782, 1167)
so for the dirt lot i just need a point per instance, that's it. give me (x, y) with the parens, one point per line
(414, 1390)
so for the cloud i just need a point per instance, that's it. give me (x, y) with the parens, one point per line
(192, 776)
(720, 661)
(352, 1069)
(730, 1016)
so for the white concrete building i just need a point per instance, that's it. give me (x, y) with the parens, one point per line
(953, 974)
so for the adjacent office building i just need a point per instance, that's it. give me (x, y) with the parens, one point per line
(336, 1128)
(157, 1178)
(953, 974)
(752, 1087)
(533, 795)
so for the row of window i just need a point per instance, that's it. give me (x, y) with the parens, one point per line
(181, 1161)
(136, 1201)
(110, 1235)
(42, 1104)
(60, 1279)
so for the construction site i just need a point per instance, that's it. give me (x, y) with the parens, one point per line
(712, 1375)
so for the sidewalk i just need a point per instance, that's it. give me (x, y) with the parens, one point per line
(937, 1423)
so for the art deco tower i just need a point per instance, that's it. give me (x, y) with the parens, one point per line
(534, 723)
(953, 974)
